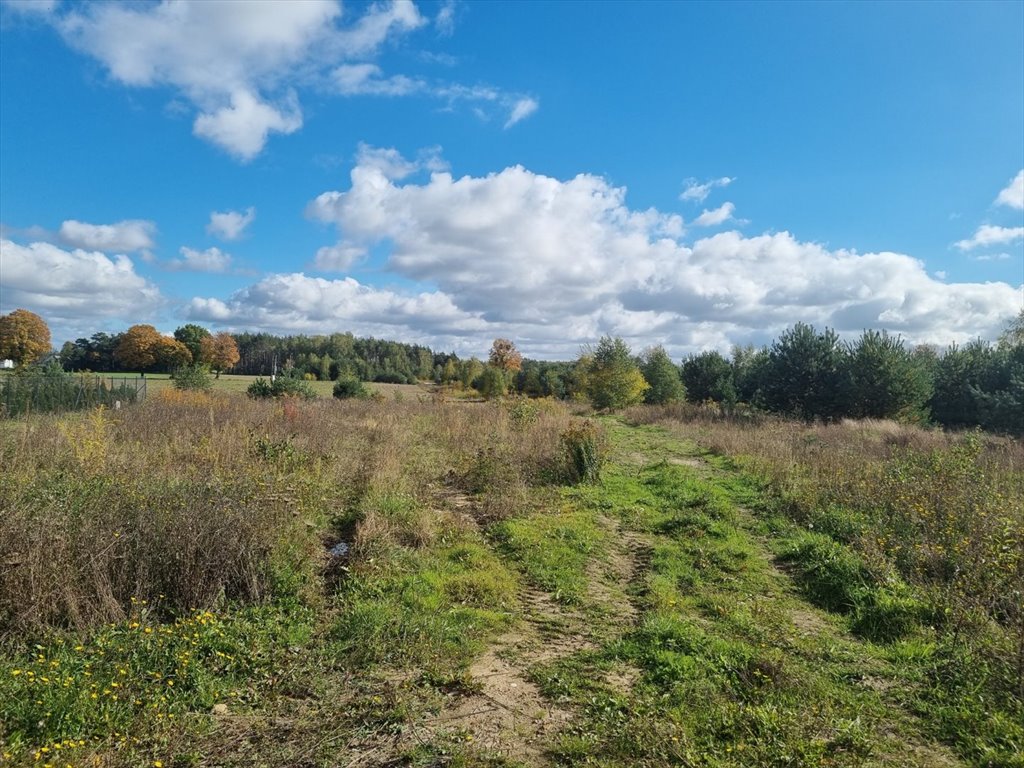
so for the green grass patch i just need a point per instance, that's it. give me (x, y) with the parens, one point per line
(553, 550)
(422, 607)
(127, 685)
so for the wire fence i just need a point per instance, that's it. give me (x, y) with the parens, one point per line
(23, 395)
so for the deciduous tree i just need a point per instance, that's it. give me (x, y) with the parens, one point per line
(220, 352)
(611, 377)
(192, 335)
(24, 337)
(504, 356)
(138, 347)
(171, 354)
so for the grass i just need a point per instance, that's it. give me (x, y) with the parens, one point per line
(208, 580)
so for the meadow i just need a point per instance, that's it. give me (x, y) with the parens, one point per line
(204, 579)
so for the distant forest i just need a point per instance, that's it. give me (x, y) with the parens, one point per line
(805, 373)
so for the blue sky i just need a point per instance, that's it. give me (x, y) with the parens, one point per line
(687, 174)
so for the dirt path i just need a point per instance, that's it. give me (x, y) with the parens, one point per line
(500, 710)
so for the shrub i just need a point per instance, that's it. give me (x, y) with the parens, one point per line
(349, 386)
(192, 377)
(283, 386)
(585, 452)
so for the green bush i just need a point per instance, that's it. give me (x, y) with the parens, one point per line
(195, 377)
(349, 386)
(283, 386)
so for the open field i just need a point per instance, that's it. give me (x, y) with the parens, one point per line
(229, 382)
(207, 580)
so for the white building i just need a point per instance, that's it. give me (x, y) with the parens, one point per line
(6, 363)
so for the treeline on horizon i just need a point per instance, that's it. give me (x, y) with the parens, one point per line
(805, 373)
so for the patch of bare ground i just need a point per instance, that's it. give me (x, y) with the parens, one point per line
(500, 710)
(688, 461)
(611, 579)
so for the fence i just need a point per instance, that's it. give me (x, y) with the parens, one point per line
(22, 395)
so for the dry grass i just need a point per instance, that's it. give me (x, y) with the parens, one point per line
(190, 499)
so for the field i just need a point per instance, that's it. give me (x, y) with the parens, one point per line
(207, 580)
(229, 382)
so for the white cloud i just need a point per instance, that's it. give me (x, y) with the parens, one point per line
(555, 263)
(369, 80)
(211, 260)
(988, 234)
(230, 225)
(521, 110)
(991, 257)
(74, 286)
(236, 63)
(445, 19)
(718, 216)
(242, 127)
(123, 237)
(337, 258)
(698, 192)
(380, 22)
(1013, 194)
(298, 303)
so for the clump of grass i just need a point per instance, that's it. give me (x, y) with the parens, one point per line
(585, 452)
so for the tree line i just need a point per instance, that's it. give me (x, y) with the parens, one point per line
(805, 373)
(814, 375)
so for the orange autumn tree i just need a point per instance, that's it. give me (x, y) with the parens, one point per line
(138, 347)
(505, 357)
(24, 337)
(220, 352)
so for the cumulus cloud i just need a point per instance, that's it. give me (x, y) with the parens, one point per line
(123, 237)
(698, 192)
(242, 126)
(230, 225)
(988, 234)
(212, 260)
(294, 303)
(713, 218)
(555, 263)
(1013, 194)
(236, 64)
(337, 258)
(239, 65)
(74, 286)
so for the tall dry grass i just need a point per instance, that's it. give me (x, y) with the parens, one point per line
(190, 499)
